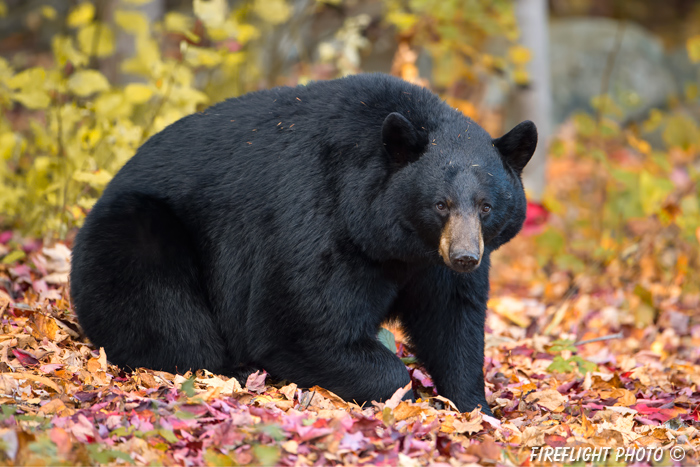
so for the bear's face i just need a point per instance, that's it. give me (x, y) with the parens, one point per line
(465, 193)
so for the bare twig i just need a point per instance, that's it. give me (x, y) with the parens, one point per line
(619, 335)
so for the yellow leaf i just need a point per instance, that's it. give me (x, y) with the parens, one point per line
(3, 9)
(32, 78)
(7, 145)
(86, 82)
(693, 47)
(402, 21)
(86, 203)
(131, 21)
(137, 93)
(112, 105)
(198, 56)
(246, 33)
(48, 12)
(235, 58)
(521, 76)
(33, 99)
(81, 15)
(519, 55)
(653, 192)
(105, 43)
(42, 163)
(96, 179)
(272, 11)
(64, 51)
(177, 22)
(213, 13)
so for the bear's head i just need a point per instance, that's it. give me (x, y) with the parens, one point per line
(462, 190)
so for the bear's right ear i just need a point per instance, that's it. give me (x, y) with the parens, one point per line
(401, 139)
(518, 145)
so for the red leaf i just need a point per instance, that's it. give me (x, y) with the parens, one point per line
(537, 216)
(25, 358)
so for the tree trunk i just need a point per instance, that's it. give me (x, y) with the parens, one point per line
(533, 102)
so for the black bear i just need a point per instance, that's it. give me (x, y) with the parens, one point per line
(278, 230)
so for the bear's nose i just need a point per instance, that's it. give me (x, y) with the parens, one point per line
(464, 261)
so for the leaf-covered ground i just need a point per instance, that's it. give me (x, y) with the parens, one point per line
(548, 385)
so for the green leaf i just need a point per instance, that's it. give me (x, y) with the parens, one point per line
(266, 455)
(108, 455)
(7, 411)
(560, 345)
(560, 365)
(168, 435)
(188, 387)
(386, 337)
(274, 431)
(184, 414)
(13, 256)
(584, 366)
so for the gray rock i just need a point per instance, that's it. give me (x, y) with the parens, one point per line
(641, 78)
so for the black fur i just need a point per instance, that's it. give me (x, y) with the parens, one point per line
(278, 230)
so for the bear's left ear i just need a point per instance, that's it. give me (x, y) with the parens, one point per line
(401, 139)
(518, 145)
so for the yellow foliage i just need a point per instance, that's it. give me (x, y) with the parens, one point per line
(3, 9)
(519, 55)
(132, 21)
(212, 12)
(693, 47)
(272, 11)
(86, 82)
(138, 93)
(48, 12)
(198, 56)
(97, 179)
(81, 15)
(31, 78)
(177, 22)
(96, 39)
(64, 51)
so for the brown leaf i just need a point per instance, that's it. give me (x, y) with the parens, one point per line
(93, 365)
(488, 449)
(406, 410)
(472, 425)
(54, 406)
(39, 379)
(43, 326)
(550, 399)
(289, 391)
(394, 400)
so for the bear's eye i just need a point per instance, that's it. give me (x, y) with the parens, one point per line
(441, 206)
(486, 208)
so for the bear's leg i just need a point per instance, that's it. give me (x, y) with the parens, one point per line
(138, 291)
(362, 371)
(443, 313)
